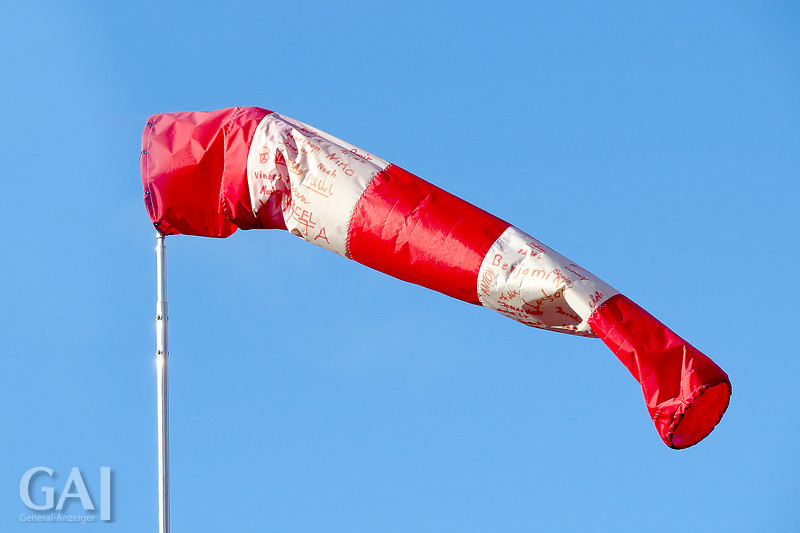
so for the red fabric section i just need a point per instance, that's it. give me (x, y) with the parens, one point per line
(685, 391)
(182, 166)
(239, 132)
(415, 231)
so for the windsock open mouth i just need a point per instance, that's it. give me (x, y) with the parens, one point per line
(211, 173)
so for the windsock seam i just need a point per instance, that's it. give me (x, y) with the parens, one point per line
(351, 216)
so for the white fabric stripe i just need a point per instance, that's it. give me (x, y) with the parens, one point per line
(309, 178)
(523, 279)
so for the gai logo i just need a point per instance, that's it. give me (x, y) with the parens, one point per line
(50, 504)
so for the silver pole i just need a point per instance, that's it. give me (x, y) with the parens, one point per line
(161, 380)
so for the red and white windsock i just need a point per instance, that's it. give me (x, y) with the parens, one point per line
(209, 173)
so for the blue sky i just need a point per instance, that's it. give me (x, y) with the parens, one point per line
(655, 144)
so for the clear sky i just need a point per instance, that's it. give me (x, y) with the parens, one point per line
(656, 144)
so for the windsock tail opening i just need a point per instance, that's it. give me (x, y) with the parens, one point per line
(701, 415)
(685, 391)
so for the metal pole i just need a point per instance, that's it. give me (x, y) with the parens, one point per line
(161, 381)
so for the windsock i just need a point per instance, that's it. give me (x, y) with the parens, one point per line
(209, 173)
